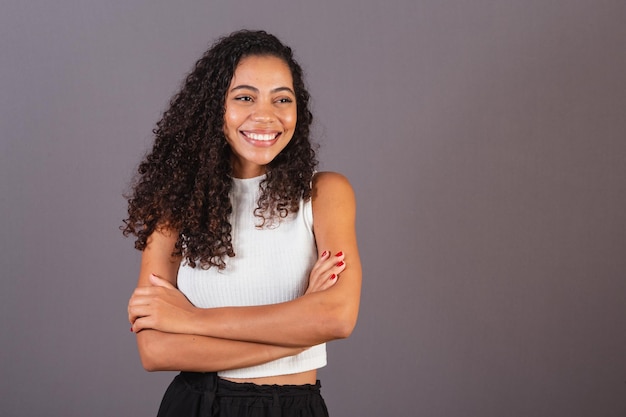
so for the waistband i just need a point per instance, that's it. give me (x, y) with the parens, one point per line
(207, 395)
(209, 382)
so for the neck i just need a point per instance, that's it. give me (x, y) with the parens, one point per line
(250, 171)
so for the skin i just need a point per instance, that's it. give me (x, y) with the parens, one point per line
(260, 103)
(172, 334)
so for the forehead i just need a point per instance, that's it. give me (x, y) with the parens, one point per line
(262, 71)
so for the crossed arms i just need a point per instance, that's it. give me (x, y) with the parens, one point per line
(172, 334)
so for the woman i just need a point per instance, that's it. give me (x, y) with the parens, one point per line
(250, 261)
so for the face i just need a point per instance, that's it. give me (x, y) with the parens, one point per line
(260, 113)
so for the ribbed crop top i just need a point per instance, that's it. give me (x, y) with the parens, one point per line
(271, 265)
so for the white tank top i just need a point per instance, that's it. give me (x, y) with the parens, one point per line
(271, 265)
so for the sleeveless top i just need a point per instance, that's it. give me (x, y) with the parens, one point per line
(271, 265)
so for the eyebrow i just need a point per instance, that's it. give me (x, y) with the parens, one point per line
(256, 90)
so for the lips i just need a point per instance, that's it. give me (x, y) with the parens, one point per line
(262, 137)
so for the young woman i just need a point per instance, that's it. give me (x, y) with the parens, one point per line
(250, 261)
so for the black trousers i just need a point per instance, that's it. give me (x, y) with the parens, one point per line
(194, 394)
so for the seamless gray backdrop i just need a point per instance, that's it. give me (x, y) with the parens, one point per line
(485, 141)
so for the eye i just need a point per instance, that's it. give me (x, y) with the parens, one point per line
(284, 100)
(243, 98)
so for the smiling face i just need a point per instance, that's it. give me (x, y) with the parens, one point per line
(260, 113)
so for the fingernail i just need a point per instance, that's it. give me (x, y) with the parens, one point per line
(340, 263)
(333, 276)
(324, 253)
(131, 329)
(339, 253)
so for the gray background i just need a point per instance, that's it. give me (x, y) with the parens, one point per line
(485, 141)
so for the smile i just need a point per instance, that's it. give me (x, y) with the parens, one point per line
(264, 137)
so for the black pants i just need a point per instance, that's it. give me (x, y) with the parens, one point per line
(193, 394)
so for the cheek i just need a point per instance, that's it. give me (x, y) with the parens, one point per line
(230, 129)
(232, 119)
(228, 122)
(290, 119)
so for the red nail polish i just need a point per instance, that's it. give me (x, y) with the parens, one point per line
(333, 276)
(131, 329)
(339, 253)
(324, 253)
(340, 263)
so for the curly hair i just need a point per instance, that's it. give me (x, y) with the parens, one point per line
(183, 183)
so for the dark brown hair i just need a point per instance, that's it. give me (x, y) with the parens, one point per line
(184, 182)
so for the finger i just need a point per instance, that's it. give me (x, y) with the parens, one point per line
(324, 255)
(145, 291)
(324, 280)
(339, 256)
(160, 282)
(136, 300)
(321, 260)
(137, 312)
(333, 260)
(326, 270)
(327, 262)
(140, 324)
(332, 266)
(332, 280)
(339, 267)
(332, 275)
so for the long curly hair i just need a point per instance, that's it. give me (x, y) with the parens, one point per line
(183, 183)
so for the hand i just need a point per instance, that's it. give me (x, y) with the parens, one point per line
(160, 307)
(325, 272)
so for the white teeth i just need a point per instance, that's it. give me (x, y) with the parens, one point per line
(261, 136)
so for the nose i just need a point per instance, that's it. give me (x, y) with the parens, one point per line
(263, 112)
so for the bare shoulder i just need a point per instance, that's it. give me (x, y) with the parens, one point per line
(333, 201)
(332, 185)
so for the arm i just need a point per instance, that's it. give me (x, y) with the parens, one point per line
(160, 351)
(314, 318)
